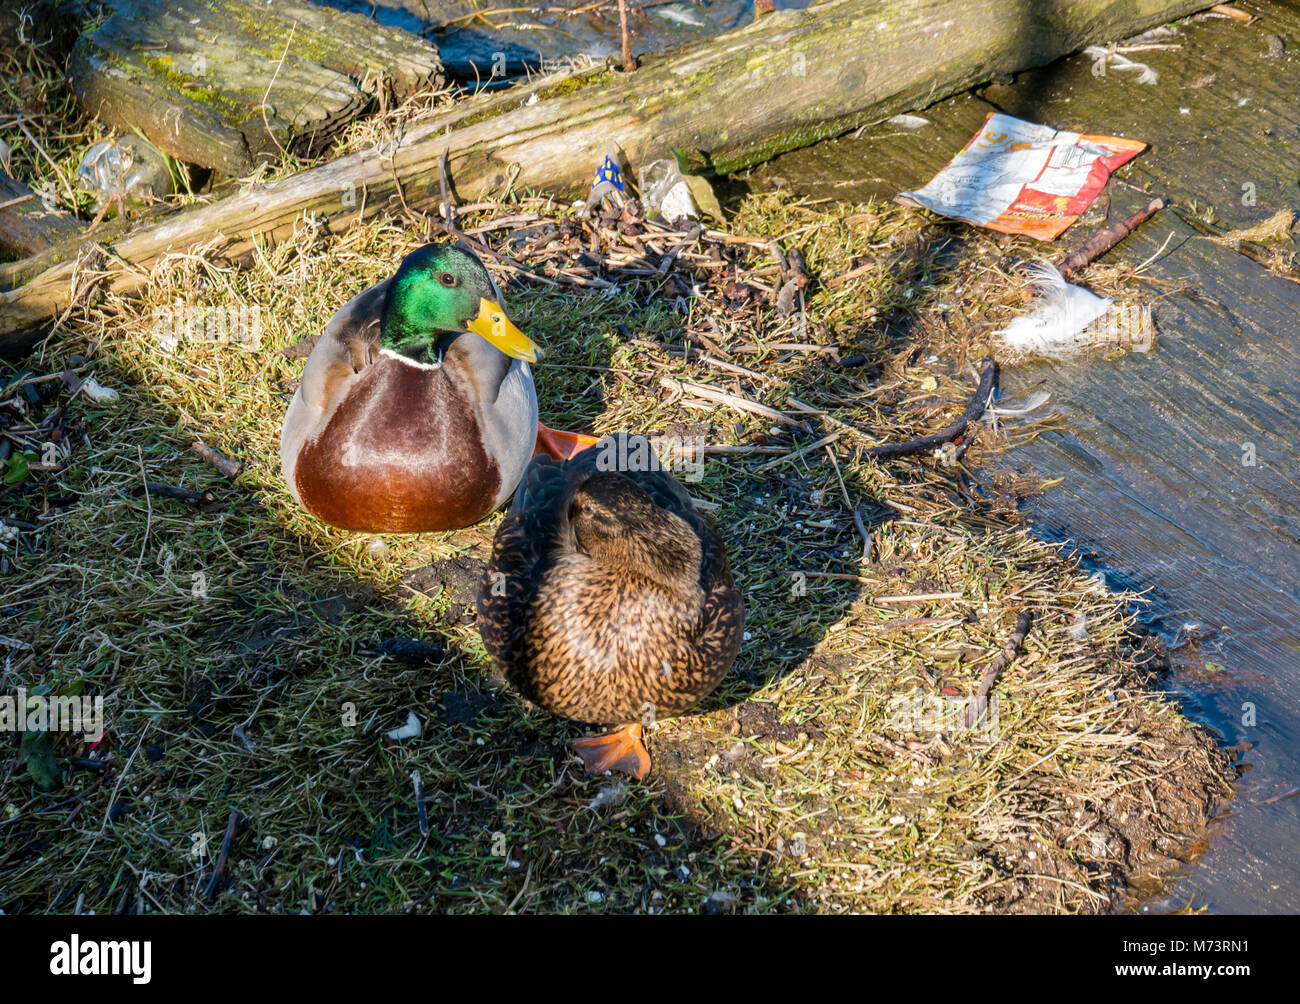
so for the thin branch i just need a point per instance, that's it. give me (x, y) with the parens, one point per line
(999, 663)
(983, 393)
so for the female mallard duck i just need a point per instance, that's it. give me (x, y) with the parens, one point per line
(609, 599)
(416, 409)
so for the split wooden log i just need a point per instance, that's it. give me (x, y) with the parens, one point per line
(219, 83)
(27, 227)
(790, 79)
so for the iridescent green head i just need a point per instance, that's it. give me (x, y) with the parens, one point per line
(442, 288)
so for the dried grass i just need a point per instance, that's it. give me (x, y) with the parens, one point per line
(799, 786)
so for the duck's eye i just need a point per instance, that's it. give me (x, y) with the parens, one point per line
(447, 279)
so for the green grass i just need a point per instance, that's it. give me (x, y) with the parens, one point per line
(799, 786)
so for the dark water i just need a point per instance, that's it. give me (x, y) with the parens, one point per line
(546, 34)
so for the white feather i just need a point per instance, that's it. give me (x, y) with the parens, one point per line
(1100, 55)
(1031, 403)
(1061, 315)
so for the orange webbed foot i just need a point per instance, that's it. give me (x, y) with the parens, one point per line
(621, 750)
(561, 445)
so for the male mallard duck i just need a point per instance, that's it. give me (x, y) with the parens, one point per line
(416, 409)
(609, 599)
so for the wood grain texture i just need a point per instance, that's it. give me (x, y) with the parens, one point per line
(798, 76)
(28, 227)
(220, 83)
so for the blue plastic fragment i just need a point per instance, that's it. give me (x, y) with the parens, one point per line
(609, 174)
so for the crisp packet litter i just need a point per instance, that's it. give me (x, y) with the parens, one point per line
(1018, 177)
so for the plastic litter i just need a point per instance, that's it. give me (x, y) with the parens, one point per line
(411, 730)
(1018, 177)
(608, 184)
(125, 170)
(665, 190)
(97, 392)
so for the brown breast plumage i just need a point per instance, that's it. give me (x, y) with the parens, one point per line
(401, 453)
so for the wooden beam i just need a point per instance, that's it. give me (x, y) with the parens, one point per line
(788, 80)
(27, 227)
(220, 83)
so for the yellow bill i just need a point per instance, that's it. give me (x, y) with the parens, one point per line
(493, 325)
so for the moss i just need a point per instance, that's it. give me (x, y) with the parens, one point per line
(574, 83)
(191, 88)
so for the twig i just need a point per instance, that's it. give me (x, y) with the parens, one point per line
(421, 813)
(224, 465)
(917, 598)
(988, 376)
(522, 889)
(454, 230)
(999, 663)
(156, 489)
(1229, 11)
(796, 454)
(112, 799)
(734, 401)
(232, 824)
(1106, 239)
(1148, 47)
(857, 519)
(628, 64)
(72, 198)
(852, 273)
(45, 378)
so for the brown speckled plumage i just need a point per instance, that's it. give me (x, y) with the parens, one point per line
(608, 594)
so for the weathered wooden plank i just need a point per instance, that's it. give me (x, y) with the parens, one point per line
(791, 79)
(27, 227)
(221, 82)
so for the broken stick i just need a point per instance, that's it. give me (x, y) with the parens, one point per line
(999, 663)
(988, 376)
(232, 825)
(629, 64)
(1106, 239)
(156, 489)
(224, 465)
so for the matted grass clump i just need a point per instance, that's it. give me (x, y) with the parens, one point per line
(252, 660)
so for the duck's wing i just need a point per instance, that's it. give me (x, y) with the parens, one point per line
(535, 529)
(348, 345)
